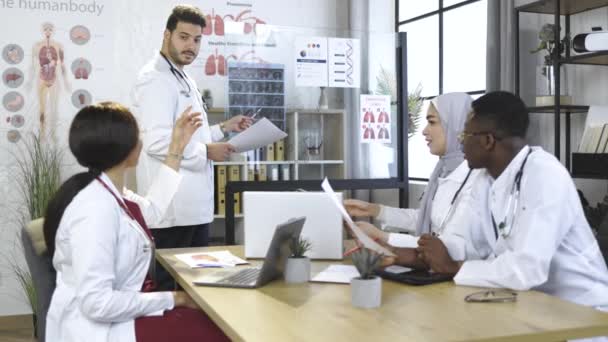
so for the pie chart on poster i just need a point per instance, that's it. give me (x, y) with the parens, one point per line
(81, 98)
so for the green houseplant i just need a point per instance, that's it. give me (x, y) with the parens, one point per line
(387, 85)
(366, 289)
(37, 167)
(297, 269)
(545, 77)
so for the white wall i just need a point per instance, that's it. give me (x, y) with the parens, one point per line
(135, 28)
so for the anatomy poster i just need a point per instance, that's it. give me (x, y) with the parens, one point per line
(311, 61)
(376, 118)
(54, 62)
(344, 62)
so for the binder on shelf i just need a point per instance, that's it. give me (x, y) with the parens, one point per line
(220, 181)
(250, 172)
(279, 150)
(285, 172)
(274, 172)
(270, 152)
(234, 175)
(262, 173)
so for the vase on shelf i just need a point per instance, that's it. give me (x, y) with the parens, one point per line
(545, 86)
(323, 102)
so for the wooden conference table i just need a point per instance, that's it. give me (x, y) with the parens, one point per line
(323, 312)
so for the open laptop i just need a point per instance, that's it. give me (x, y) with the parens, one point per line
(263, 210)
(272, 268)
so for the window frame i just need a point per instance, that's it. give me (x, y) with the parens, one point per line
(439, 12)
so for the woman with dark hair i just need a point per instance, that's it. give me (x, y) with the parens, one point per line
(102, 249)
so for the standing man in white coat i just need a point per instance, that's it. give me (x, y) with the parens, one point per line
(164, 90)
(537, 229)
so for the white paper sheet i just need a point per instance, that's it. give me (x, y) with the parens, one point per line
(359, 234)
(210, 259)
(340, 274)
(260, 134)
(397, 269)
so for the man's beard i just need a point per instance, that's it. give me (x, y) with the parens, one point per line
(178, 58)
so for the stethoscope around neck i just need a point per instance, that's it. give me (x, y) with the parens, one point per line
(452, 206)
(505, 227)
(181, 79)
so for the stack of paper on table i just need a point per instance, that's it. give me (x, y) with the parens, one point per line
(210, 259)
(341, 274)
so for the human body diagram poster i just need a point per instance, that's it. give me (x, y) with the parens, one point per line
(54, 61)
(375, 119)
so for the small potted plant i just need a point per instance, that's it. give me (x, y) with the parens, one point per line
(297, 269)
(366, 290)
(545, 77)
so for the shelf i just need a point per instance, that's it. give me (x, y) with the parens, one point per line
(257, 106)
(261, 162)
(253, 80)
(566, 6)
(564, 108)
(300, 111)
(320, 162)
(242, 93)
(592, 58)
(224, 216)
(590, 165)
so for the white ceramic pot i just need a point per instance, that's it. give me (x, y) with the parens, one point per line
(366, 293)
(297, 270)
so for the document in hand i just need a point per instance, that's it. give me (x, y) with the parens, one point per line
(210, 259)
(359, 234)
(260, 134)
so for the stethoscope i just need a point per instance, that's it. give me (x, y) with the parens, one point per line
(451, 209)
(181, 79)
(511, 203)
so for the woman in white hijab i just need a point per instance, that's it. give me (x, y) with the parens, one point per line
(448, 205)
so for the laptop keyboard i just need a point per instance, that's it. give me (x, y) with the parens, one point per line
(244, 277)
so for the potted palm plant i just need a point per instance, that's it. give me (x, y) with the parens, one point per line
(366, 290)
(297, 269)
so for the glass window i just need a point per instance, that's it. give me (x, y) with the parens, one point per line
(464, 60)
(420, 161)
(464, 48)
(423, 55)
(409, 9)
(448, 3)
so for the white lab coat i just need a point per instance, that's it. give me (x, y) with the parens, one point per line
(157, 104)
(102, 257)
(463, 233)
(551, 247)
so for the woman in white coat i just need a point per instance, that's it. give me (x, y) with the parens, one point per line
(447, 204)
(102, 250)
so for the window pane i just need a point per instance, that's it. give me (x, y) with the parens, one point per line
(464, 48)
(448, 3)
(420, 161)
(423, 55)
(409, 9)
